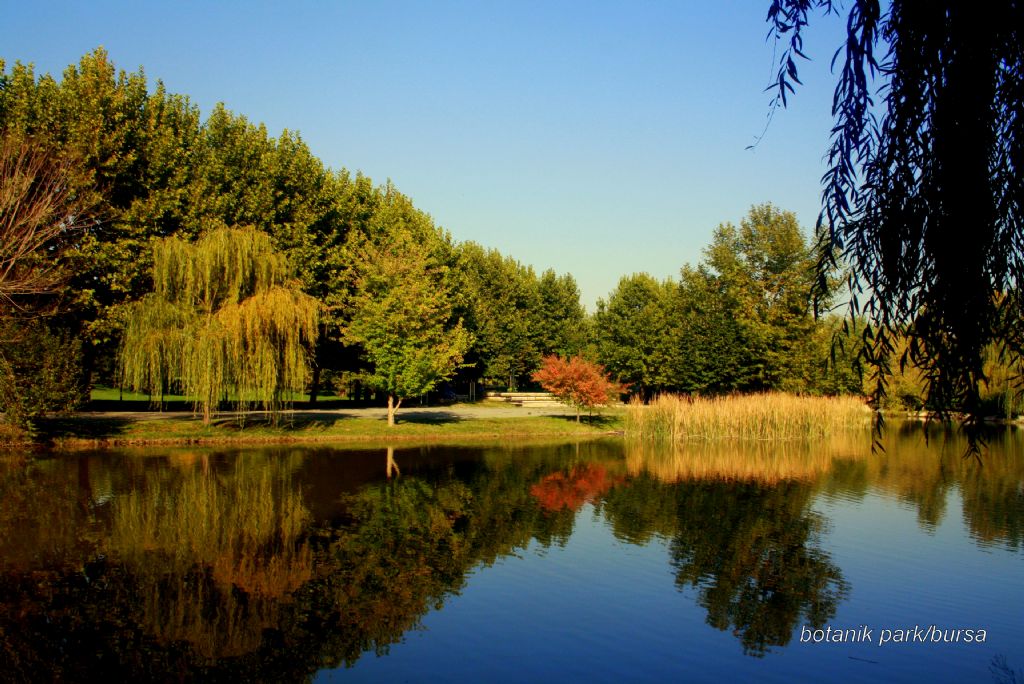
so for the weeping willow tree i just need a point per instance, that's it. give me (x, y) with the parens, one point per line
(923, 194)
(224, 320)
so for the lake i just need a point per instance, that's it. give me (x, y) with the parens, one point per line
(599, 561)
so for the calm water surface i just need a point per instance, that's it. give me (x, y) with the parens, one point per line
(599, 561)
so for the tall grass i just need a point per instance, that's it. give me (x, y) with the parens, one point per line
(767, 416)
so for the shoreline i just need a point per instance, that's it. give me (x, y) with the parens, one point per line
(428, 425)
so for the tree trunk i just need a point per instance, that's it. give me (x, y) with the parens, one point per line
(392, 407)
(314, 386)
(577, 414)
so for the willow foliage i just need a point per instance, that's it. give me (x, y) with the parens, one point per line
(224, 320)
(923, 194)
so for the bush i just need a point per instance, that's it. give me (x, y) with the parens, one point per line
(40, 370)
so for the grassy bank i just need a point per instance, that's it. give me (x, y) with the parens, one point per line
(443, 424)
(769, 416)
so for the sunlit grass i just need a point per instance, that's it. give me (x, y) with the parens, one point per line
(434, 426)
(767, 416)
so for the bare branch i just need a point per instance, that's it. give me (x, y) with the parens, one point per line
(39, 210)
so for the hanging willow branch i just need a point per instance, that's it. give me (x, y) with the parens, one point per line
(224, 320)
(923, 194)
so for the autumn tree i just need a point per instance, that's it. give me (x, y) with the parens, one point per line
(224, 319)
(39, 211)
(401, 310)
(578, 382)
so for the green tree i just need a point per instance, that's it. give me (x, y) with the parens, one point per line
(155, 169)
(635, 333)
(323, 263)
(503, 308)
(39, 370)
(401, 309)
(561, 319)
(712, 357)
(224, 320)
(764, 272)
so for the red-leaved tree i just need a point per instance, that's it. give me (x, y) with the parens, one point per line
(578, 382)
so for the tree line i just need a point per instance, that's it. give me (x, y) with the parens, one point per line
(144, 167)
(742, 320)
(390, 301)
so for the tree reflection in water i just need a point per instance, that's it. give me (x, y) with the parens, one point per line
(744, 537)
(275, 563)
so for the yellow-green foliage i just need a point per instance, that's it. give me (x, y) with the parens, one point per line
(1004, 389)
(769, 416)
(224, 266)
(223, 320)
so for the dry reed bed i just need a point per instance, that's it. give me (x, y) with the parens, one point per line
(768, 417)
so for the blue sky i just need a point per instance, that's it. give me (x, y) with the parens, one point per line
(598, 138)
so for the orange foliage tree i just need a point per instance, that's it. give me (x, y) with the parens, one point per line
(578, 382)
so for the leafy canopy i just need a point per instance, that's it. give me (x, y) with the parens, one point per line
(401, 309)
(576, 381)
(223, 320)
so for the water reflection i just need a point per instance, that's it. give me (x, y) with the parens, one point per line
(745, 540)
(276, 563)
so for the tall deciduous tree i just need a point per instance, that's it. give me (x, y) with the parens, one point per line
(401, 310)
(924, 193)
(765, 271)
(635, 332)
(503, 307)
(224, 320)
(561, 319)
(40, 213)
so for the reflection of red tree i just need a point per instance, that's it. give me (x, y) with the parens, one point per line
(572, 489)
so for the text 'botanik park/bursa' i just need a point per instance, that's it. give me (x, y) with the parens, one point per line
(930, 634)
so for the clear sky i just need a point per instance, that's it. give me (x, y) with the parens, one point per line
(595, 138)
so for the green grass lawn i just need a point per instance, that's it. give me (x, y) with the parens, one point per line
(432, 426)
